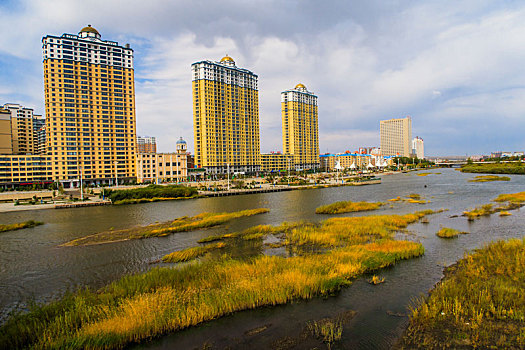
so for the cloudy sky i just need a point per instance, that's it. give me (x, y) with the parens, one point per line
(456, 67)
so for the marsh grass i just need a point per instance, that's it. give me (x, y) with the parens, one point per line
(489, 178)
(182, 224)
(504, 213)
(494, 168)
(376, 280)
(19, 225)
(150, 192)
(191, 253)
(513, 201)
(479, 304)
(446, 232)
(347, 207)
(411, 198)
(164, 300)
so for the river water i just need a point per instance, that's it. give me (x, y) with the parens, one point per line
(33, 267)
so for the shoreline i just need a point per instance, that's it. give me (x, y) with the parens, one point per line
(10, 207)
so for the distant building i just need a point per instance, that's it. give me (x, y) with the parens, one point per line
(163, 167)
(418, 148)
(23, 128)
(225, 117)
(21, 169)
(6, 141)
(146, 144)
(300, 127)
(277, 161)
(396, 137)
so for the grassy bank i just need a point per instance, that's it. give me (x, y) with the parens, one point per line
(347, 207)
(513, 201)
(446, 232)
(19, 225)
(149, 193)
(494, 168)
(489, 178)
(182, 224)
(165, 300)
(191, 253)
(479, 304)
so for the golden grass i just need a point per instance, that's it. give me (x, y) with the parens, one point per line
(397, 199)
(191, 253)
(517, 198)
(446, 232)
(182, 224)
(347, 207)
(165, 300)
(19, 225)
(504, 213)
(488, 178)
(376, 280)
(480, 304)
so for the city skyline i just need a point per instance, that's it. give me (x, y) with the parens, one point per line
(451, 72)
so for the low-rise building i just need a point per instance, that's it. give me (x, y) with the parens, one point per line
(276, 161)
(163, 167)
(18, 170)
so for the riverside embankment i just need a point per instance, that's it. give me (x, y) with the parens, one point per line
(33, 266)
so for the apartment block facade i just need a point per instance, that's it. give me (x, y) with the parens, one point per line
(163, 167)
(146, 144)
(275, 162)
(90, 108)
(23, 127)
(300, 125)
(225, 117)
(396, 137)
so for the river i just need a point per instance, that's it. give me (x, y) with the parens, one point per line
(33, 267)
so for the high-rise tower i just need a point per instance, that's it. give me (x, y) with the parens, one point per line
(300, 127)
(90, 107)
(396, 137)
(225, 117)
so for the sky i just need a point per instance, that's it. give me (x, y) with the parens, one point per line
(454, 67)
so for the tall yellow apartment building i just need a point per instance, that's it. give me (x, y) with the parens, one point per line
(300, 127)
(225, 117)
(90, 108)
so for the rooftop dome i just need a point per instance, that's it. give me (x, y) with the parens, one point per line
(89, 29)
(300, 86)
(181, 142)
(227, 59)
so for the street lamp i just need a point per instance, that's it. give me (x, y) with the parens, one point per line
(81, 188)
(116, 174)
(228, 171)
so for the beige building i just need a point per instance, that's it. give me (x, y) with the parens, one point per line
(146, 144)
(300, 127)
(90, 107)
(22, 127)
(418, 147)
(24, 170)
(225, 117)
(163, 167)
(275, 162)
(396, 137)
(6, 141)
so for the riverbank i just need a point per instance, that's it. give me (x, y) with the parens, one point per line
(163, 300)
(480, 303)
(514, 168)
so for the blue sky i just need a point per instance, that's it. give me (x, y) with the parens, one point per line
(454, 66)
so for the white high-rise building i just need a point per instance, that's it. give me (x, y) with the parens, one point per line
(396, 137)
(418, 148)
